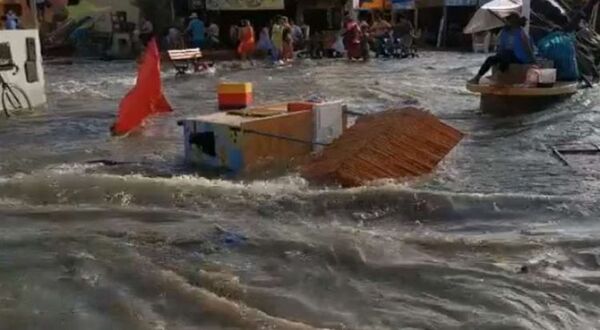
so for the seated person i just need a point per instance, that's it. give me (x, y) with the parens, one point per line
(514, 47)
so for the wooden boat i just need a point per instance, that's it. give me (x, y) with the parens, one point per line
(507, 94)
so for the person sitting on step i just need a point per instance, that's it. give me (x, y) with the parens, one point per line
(514, 48)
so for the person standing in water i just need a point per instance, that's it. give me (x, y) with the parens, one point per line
(352, 39)
(264, 46)
(197, 30)
(379, 31)
(213, 35)
(11, 21)
(514, 47)
(146, 31)
(288, 41)
(277, 39)
(247, 41)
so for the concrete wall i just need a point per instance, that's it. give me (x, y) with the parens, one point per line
(36, 92)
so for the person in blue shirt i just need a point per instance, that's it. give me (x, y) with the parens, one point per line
(11, 21)
(197, 30)
(514, 47)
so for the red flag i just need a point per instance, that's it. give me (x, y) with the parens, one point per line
(146, 98)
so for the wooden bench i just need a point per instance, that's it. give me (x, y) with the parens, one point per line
(183, 58)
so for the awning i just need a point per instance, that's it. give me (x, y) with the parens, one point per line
(245, 5)
(462, 3)
(411, 4)
(490, 16)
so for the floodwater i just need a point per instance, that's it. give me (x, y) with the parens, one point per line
(502, 236)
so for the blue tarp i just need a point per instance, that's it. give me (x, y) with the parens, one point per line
(560, 48)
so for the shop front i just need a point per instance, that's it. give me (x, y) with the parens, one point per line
(321, 15)
(259, 12)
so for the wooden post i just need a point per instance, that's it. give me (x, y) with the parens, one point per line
(416, 17)
(172, 11)
(594, 19)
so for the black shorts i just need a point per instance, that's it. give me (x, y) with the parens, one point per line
(41, 7)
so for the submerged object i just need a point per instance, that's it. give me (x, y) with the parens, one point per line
(394, 144)
(146, 98)
(510, 94)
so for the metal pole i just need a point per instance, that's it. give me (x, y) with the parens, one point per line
(594, 20)
(416, 17)
(527, 13)
(172, 11)
(442, 30)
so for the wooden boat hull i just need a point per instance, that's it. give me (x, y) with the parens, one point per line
(506, 100)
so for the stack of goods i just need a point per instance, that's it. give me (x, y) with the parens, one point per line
(234, 95)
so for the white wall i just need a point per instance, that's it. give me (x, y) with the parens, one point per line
(35, 91)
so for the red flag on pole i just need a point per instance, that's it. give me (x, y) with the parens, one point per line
(146, 98)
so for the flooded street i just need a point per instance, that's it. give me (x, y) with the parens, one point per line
(502, 236)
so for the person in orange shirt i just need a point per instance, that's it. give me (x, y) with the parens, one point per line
(247, 41)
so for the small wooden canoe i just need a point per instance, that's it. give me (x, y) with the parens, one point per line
(512, 99)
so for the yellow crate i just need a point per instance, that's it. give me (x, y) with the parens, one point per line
(234, 88)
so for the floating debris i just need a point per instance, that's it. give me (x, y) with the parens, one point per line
(393, 144)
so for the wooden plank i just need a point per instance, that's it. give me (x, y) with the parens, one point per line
(256, 112)
(234, 88)
(265, 150)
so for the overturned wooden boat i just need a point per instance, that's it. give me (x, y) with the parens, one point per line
(394, 144)
(508, 94)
